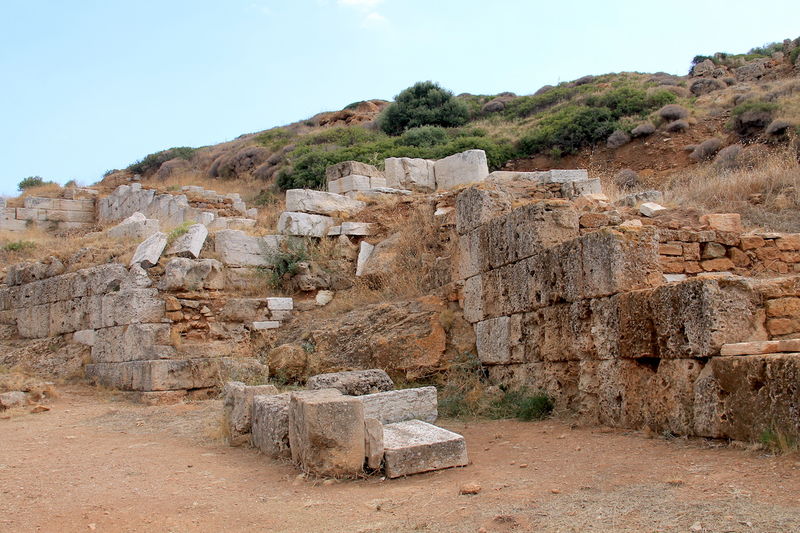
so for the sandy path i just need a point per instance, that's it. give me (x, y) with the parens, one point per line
(98, 463)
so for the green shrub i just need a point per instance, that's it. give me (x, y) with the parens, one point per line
(176, 232)
(275, 138)
(19, 246)
(285, 262)
(526, 106)
(569, 130)
(794, 54)
(628, 101)
(354, 105)
(152, 161)
(522, 404)
(32, 181)
(766, 50)
(754, 105)
(424, 136)
(424, 103)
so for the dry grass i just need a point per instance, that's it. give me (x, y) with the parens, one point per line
(767, 195)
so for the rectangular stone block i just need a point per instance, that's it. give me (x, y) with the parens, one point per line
(476, 206)
(133, 306)
(413, 446)
(410, 173)
(354, 183)
(459, 169)
(744, 397)
(326, 432)
(304, 224)
(236, 248)
(348, 168)
(24, 213)
(760, 347)
(373, 444)
(59, 215)
(270, 425)
(238, 408)
(354, 382)
(500, 340)
(473, 299)
(321, 203)
(136, 342)
(563, 176)
(166, 374)
(280, 304)
(405, 404)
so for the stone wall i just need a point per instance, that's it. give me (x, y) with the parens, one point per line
(50, 214)
(587, 315)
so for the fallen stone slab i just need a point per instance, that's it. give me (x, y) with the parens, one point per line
(149, 251)
(266, 324)
(400, 405)
(236, 248)
(723, 222)
(321, 203)
(459, 169)
(761, 347)
(353, 383)
(190, 243)
(356, 228)
(414, 446)
(327, 433)
(280, 304)
(270, 425)
(304, 224)
(135, 227)
(238, 408)
(364, 252)
(651, 209)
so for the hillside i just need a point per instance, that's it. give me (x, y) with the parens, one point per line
(734, 111)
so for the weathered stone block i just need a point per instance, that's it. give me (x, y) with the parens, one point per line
(459, 169)
(321, 203)
(405, 404)
(133, 306)
(500, 340)
(190, 243)
(184, 274)
(353, 383)
(373, 443)
(165, 374)
(304, 224)
(414, 446)
(149, 251)
(135, 227)
(135, 342)
(238, 408)
(410, 173)
(347, 168)
(326, 432)
(364, 252)
(236, 248)
(270, 425)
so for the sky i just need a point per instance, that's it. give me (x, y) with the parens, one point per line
(92, 85)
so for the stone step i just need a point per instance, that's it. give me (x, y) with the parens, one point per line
(414, 446)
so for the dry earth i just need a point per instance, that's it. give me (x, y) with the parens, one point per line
(96, 462)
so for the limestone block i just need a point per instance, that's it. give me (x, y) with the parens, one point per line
(23, 213)
(135, 306)
(84, 336)
(236, 248)
(58, 215)
(223, 223)
(412, 173)
(136, 342)
(321, 203)
(9, 400)
(304, 224)
(353, 383)
(651, 209)
(473, 299)
(476, 206)
(149, 251)
(335, 187)
(354, 183)
(347, 168)
(157, 375)
(564, 176)
(326, 432)
(270, 425)
(723, 222)
(508, 176)
(267, 324)
(190, 243)
(582, 188)
(415, 446)
(377, 183)
(356, 228)
(183, 274)
(364, 252)
(280, 304)
(741, 397)
(405, 404)
(373, 443)
(12, 224)
(499, 340)
(33, 322)
(459, 169)
(383, 258)
(470, 259)
(238, 408)
(67, 316)
(244, 310)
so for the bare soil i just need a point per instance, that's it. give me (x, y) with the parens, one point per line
(96, 462)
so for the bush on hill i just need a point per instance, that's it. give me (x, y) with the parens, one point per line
(423, 104)
(152, 161)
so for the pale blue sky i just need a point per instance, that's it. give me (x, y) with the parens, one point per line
(89, 85)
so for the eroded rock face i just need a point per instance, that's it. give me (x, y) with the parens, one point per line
(370, 337)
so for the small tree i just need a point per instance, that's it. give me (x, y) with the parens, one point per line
(423, 104)
(30, 181)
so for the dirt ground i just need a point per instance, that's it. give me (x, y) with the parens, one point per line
(96, 462)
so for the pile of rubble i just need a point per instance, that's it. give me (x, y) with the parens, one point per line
(345, 424)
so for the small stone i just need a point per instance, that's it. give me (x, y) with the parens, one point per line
(40, 409)
(469, 489)
(555, 491)
(323, 298)
(651, 209)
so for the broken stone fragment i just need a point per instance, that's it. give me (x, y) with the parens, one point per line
(373, 432)
(238, 407)
(364, 253)
(190, 243)
(414, 446)
(304, 224)
(149, 251)
(353, 383)
(651, 209)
